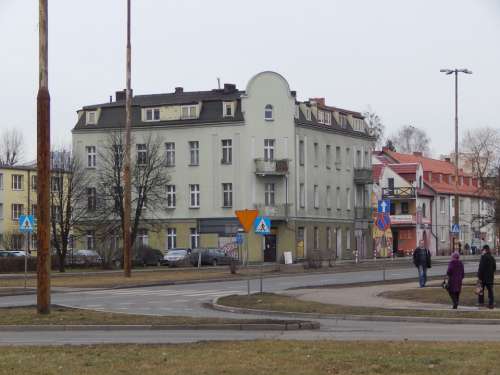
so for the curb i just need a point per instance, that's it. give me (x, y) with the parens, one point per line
(374, 318)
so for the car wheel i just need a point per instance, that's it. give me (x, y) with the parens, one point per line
(214, 262)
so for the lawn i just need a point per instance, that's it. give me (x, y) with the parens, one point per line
(438, 295)
(256, 357)
(68, 316)
(276, 302)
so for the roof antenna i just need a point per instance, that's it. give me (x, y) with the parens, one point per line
(218, 82)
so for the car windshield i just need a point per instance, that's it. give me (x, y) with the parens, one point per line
(177, 252)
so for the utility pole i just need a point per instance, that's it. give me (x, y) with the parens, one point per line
(456, 217)
(43, 165)
(127, 260)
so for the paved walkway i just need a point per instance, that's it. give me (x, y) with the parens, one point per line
(370, 296)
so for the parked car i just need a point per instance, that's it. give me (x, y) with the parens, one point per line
(141, 256)
(177, 257)
(210, 256)
(5, 254)
(18, 253)
(84, 258)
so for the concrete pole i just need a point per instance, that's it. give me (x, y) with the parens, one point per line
(127, 260)
(456, 219)
(43, 166)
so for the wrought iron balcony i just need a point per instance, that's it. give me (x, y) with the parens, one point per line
(278, 211)
(362, 176)
(399, 193)
(276, 167)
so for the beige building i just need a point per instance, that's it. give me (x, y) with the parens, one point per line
(304, 164)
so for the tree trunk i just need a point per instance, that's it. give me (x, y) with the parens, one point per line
(62, 258)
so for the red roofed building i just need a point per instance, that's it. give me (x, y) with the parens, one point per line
(439, 184)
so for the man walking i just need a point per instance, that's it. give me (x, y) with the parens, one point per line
(486, 275)
(422, 260)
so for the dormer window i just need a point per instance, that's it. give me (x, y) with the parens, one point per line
(228, 109)
(308, 114)
(297, 111)
(343, 121)
(321, 117)
(328, 118)
(152, 114)
(188, 111)
(91, 118)
(268, 112)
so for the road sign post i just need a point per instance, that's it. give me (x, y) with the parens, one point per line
(26, 224)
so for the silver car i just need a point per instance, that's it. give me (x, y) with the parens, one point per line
(176, 257)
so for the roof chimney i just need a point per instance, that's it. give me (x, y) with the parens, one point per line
(417, 153)
(229, 87)
(320, 101)
(447, 159)
(293, 93)
(121, 95)
(179, 90)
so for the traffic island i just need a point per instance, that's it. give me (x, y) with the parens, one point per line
(65, 318)
(270, 304)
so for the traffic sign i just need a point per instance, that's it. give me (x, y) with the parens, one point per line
(26, 223)
(246, 218)
(262, 225)
(383, 221)
(455, 228)
(239, 238)
(384, 206)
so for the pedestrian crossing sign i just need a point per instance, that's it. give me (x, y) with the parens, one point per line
(26, 223)
(262, 225)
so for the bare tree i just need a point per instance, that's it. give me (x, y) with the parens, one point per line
(11, 240)
(68, 199)
(149, 180)
(11, 147)
(375, 126)
(411, 139)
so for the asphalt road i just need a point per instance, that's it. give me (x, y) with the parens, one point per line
(187, 300)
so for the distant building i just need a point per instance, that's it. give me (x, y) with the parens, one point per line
(305, 164)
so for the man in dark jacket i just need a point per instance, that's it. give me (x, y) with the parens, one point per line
(422, 260)
(486, 275)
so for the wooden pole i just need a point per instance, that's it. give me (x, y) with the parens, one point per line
(43, 167)
(127, 260)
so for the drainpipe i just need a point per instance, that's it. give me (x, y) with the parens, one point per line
(432, 232)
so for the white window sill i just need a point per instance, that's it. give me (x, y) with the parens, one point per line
(269, 119)
(194, 207)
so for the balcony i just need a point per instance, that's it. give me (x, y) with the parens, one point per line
(276, 167)
(276, 212)
(362, 176)
(362, 213)
(399, 193)
(408, 219)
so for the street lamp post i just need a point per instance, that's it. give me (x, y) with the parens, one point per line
(456, 218)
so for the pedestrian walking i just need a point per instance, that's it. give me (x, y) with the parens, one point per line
(486, 276)
(455, 274)
(422, 260)
(467, 249)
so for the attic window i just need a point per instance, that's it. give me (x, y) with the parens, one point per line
(268, 112)
(91, 118)
(343, 121)
(188, 112)
(308, 114)
(321, 117)
(152, 114)
(328, 118)
(228, 109)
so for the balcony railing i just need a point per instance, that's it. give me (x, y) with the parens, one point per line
(276, 167)
(408, 219)
(362, 176)
(362, 213)
(278, 211)
(399, 193)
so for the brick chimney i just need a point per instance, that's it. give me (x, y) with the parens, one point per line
(417, 153)
(179, 90)
(229, 88)
(120, 95)
(320, 101)
(447, 159)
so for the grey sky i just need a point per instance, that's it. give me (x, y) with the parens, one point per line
(385, 54)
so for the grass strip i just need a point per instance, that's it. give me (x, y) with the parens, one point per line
(256, 357)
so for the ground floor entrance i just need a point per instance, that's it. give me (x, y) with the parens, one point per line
(270, 248)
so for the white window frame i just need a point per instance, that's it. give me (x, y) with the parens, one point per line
(17, 182)
(338, 198)
(153, 113)
(189, 111)
(91, 156)
(316, 153)
(348, 239)
(328, 118)
(91, 117)
(269, 112)
(194, 196)
(194, 238)
(171, 238)
(142, 237)
(194, 153)
(91, 198)
(90, 236)
(321, 117)
(308, 114)
(328, 197)
(270, 194)
(348, 199)
(328, 238)
(170, 154)
(442, 205)
(227, 194)
(316, 196)
(227, 151)
(171, 198)
(301, 152)
(142, 153)
(328, 156)
(348, 158)
(34, 181)
(225, 107)
(338, 157)
(302, 195)
(269, 149)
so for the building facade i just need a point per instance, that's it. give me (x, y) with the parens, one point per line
(306, 165)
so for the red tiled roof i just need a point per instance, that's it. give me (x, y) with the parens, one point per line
(377, 170)
(404, 168)
(432, 165)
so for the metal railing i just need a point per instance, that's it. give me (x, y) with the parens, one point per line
(276, 167)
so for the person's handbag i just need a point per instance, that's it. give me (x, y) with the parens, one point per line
(445, 284)
(478, 290)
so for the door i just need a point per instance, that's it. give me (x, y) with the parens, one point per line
(395, 240)
(270, 248)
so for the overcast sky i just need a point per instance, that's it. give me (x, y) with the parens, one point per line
(383, 54)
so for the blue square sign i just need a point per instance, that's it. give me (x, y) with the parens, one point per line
(384, 206)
